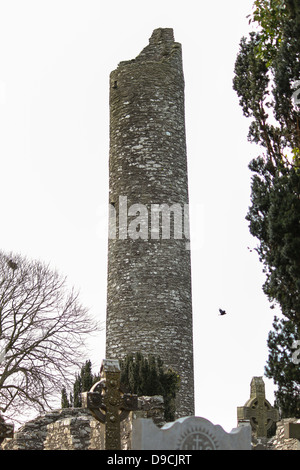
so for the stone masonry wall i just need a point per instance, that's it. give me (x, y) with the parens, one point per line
(278, 442)
(31, 435)
(77, 433)
(149, 302)
(77, 429)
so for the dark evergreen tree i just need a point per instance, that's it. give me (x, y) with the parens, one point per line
(267, 96)
(147, 376)
(267, 74)
(77, 390)
(284, 366)
(64, 399)
(83, 383)
(87, 378)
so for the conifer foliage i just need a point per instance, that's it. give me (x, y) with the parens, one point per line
(268, 86)
(147, 376)
(83, 383)
(143, 376)
(284, 366)
(267, 82)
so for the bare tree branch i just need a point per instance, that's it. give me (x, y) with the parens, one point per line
(43, 327)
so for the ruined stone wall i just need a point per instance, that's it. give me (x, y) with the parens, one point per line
(77, 429)
(148, 407)
(31, 435)
(149, 302)
(72, 434)
(278, 442)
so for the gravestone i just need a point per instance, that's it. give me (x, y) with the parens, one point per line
(257, 410)
(189, 433)
(109, 403)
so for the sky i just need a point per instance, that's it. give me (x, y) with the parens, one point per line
(55, 61)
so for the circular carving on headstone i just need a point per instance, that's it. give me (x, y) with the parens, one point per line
(197, 439)
(262, 413)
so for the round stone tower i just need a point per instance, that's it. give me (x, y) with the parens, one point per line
(149, 302)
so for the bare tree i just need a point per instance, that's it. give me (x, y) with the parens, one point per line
(42, 331)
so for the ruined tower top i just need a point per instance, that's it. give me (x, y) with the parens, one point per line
(161, 35)
(161, 45)
(147, 110)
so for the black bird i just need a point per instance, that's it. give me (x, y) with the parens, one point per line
(12, 264)
(222, 312)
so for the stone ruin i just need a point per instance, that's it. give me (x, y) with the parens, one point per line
(280, 441)
(77, 429)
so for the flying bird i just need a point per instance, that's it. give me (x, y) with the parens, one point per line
(222, 312)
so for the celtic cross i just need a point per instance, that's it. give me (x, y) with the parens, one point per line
(258, 410)
(109, 403)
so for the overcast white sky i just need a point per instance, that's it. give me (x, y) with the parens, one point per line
(55, 61)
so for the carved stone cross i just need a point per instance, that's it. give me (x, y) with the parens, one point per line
(109, 403)
(258, 410)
